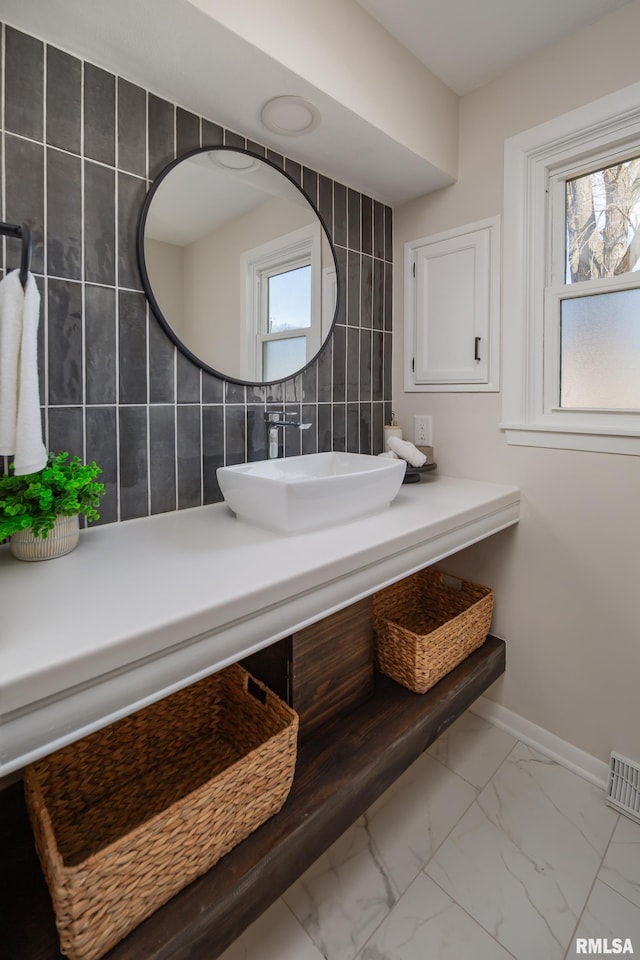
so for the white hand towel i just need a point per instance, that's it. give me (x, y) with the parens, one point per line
(20, 423)
(406, 450)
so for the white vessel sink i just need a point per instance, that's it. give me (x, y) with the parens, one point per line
(296, 494)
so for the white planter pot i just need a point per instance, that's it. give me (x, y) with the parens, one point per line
(62, 539)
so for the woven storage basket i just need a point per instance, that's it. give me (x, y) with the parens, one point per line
(427, 624)
(126, 817)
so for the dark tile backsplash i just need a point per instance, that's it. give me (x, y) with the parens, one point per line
(81, 148)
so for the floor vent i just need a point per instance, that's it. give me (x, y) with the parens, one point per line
(623, 791)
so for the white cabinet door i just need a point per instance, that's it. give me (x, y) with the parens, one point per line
(452, 310)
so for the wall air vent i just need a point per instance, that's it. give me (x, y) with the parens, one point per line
(623, 790)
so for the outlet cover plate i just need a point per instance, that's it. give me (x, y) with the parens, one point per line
(422, 431)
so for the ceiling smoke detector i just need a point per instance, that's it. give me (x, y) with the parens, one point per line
(290, 116)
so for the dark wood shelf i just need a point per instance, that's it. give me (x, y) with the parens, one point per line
(340, 772)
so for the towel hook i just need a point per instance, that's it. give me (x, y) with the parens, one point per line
(22, 233)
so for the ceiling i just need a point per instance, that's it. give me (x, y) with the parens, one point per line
(224, 59)
(467, 43)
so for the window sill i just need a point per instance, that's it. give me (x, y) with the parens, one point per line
(563, 438)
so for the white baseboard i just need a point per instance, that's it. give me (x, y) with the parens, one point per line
(594, 770)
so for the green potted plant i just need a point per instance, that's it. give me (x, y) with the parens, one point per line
(39, 511)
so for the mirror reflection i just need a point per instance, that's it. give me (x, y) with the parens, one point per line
(237, 265)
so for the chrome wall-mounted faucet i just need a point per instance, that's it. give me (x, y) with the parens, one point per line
(273, 422)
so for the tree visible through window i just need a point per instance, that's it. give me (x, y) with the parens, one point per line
(603, 217)
(600, 327)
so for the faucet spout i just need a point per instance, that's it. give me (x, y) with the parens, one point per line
(273, 422)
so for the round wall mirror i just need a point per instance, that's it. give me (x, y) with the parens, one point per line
(237, 265)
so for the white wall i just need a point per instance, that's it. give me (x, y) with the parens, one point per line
(567, 577)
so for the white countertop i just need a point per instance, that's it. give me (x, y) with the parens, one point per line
(145, 607)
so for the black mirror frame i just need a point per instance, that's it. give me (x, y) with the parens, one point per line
(144, 275)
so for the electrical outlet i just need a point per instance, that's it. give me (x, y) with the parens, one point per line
(422, 431)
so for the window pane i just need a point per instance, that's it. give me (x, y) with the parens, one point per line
(600, 351)
(602, 221)
(289, 300)
(280, 357)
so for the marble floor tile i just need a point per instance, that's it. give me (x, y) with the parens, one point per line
(523, 858)
(342, 898)
(473, 748)
(608, 916)
(426, 924)
(276, 935)
(621, 865)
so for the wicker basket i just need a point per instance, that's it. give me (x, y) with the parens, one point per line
(427, 624)
(126, 817)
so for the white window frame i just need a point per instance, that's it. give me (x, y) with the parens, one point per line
(298, 248)
(534, 162)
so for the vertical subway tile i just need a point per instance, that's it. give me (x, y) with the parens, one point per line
(99, 115)
(212, 134)
(340, 214)
(99, 224)
(100, 346)
(24, 85)
(274, 393)
(377, 304)
(131, 192)
(367, 225)
(353, 363)
(353, 288)
(64, 215)
(325, 372)
(366, 292)
(353, 220)
(24, 174)
(256, 434)
(365, 364)
(161, 134)
(353, 428)
(325, 427)
(293, 390)
(134, 487)
(132, 347)
(378, 230)
(365, 428)
(387, 368)
(161, 363)
(341, 284)
(212, 451)
(234, 392)
(235, 140)
(377, 432)
(64, 337)
(377, 361)
(189, 456)
(66, 433)
(212, 388)
(310, 185)
(102, 447)
(339, 364)
(255, 147)
(310, 383)
(132, 127)
(388, 234)
(64, 99)
(275, 158)
(325, 202)
(294, 170)
(187, 131)
(388, 297)
(339, 439)
(235, 433)
(310, 436)
(188, 379)
(256, 393)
